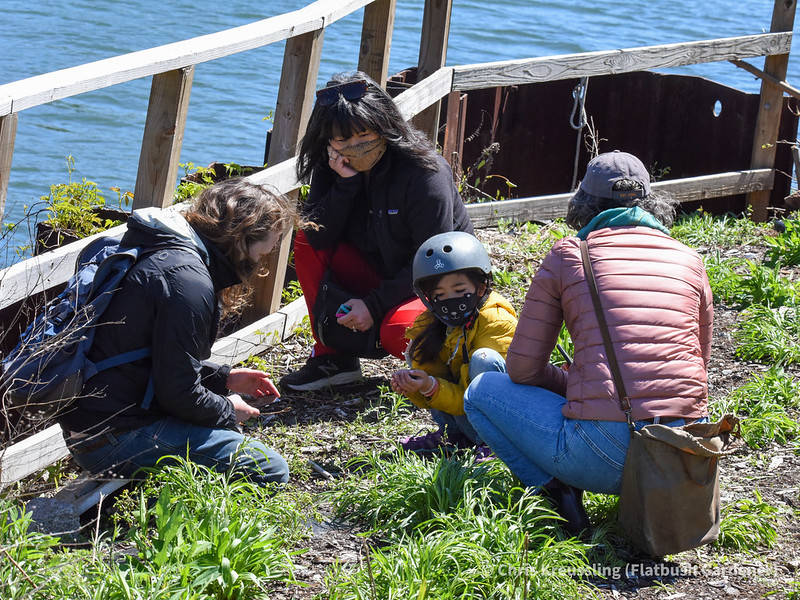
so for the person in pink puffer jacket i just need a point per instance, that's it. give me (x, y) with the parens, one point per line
(564, 431)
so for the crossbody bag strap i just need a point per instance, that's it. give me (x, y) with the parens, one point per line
(624, 401)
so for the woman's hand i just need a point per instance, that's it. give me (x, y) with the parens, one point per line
(339, 163)
(255, 383)
(408, 381)
(243, 410)
(359, 318)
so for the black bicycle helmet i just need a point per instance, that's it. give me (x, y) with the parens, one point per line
(448, 252)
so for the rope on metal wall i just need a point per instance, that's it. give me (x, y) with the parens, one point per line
(577, 121)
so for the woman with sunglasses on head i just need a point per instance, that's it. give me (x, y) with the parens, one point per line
(378, 189)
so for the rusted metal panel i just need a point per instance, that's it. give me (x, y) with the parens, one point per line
(680, 126)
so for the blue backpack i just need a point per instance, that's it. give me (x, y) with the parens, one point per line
(49, 365)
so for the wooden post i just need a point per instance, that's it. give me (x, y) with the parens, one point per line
(376, 39)
(770, 107)
(453, 148)
(293, 109)
(163, 138)
(8, 133)
(432, 57)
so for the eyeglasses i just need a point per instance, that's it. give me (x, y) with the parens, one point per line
(352, 90)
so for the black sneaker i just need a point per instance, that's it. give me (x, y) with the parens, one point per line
(323, 371)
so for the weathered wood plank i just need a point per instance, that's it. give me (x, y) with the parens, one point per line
(545, 208)
(259, 336)
(85, 491)
(64, 83)
(8, 135)
(163, 138)
(432, 57)
(31, 455)
(608, 62)
(792, 91)
(426, 92)
(376, 40)
(770, 106)
(281, 177)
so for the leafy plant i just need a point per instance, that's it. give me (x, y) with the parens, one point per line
(748, 524)
(763, 401)
(394, 495)
(74, 206)
(745, 282)
(785, 247)
(210, 533)
(24, 554)
(701, 228)
(490, 545)
(291, 292)
(769, 335)
(197, 178)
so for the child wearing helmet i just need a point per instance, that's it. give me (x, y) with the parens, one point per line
(465, 331)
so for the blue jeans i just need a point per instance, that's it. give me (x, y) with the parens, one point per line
(481, 361)
(220, 449)
(526, 429)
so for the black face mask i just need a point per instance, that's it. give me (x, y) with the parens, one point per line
(455, 312)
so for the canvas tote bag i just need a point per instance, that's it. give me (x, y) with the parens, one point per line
(670, 485)
(669, 500)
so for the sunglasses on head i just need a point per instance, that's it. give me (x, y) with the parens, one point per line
(352, 90)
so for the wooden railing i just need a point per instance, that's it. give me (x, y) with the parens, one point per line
(172, 65)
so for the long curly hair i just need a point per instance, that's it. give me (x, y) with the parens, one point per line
(234, 214)
(584, 207)
(376, 111)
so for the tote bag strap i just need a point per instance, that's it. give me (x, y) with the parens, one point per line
(624, 401)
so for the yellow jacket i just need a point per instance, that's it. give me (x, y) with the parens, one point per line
(493, 329)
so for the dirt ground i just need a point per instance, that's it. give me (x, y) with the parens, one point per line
(700, 573)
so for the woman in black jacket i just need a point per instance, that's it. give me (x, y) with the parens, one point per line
(378, 189)
(175, 403)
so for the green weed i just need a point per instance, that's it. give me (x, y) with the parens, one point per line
(741, 283)
(704, 229)
(73, 206)
(291, 292)
(26, 557)
(763, 402)
(748, 524)
(769, 335)
(393, 494)
(784, 248)
(489, 546)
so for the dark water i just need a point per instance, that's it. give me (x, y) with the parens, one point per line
(232, 97)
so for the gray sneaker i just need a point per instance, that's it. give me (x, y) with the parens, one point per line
(323, 371)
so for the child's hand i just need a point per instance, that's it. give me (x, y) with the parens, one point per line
(408, 381)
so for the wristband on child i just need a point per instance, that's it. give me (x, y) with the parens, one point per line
(433, 387)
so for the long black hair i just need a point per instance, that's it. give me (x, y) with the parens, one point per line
(425, 347)
(375, 110)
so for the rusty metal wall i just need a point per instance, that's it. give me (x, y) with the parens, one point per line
(667, 120)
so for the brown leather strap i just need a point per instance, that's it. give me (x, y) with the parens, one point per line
(624, 401)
